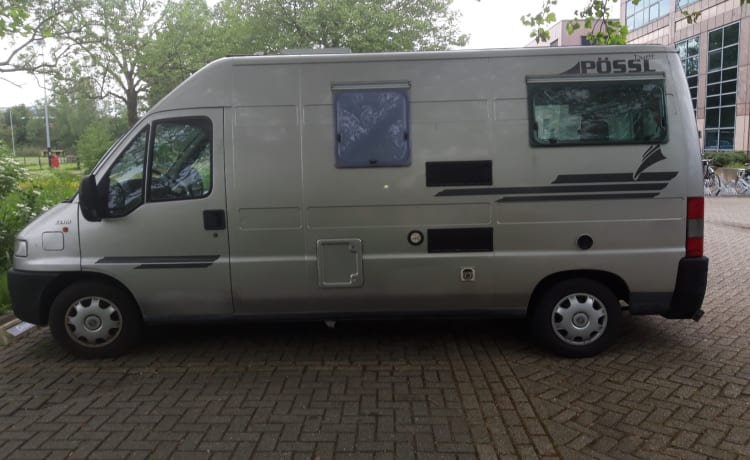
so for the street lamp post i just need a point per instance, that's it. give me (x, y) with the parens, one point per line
(12, 135)
(46, 123)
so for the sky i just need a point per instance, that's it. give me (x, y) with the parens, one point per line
(490, 23)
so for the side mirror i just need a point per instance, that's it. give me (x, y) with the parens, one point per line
(88, 199)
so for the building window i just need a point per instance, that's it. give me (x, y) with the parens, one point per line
(684, 3)
(688, 50)
(644, 12)
(721, 87)
(372, 127)
(589, 113)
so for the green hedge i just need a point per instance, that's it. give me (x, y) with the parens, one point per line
(4, 295)
(727, 159)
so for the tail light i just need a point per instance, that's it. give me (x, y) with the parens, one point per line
(694, 237)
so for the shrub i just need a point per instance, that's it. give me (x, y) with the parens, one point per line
(725, 159)
(26, 200)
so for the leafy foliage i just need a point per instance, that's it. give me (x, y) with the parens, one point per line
(724, 159)
(362, 26)
(596, 16)
(107, 39)
(94, 142)
(13, 16)
(11, 173)
(186, 39)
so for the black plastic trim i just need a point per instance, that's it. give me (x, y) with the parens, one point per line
(686, 300)
(27, 290)
(458, 173)
(460, 240)
(690, 288)
(158, 260)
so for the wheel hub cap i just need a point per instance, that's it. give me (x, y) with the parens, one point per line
(579, 319)
(93, 321)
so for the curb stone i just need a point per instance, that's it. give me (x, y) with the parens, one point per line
(11, 328)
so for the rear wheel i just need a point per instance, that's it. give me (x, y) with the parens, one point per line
(95, 320)
(714, 185)
(577, 317)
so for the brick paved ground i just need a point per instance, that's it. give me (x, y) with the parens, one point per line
(439, 389)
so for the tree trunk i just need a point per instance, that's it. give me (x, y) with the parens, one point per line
(132, 106)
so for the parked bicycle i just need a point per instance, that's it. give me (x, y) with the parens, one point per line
(742, 184)
(711, 181)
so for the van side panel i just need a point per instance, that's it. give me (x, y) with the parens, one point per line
(287, 198)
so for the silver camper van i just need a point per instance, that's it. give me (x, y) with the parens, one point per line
(563, 184)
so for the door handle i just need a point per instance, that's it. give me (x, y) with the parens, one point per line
(214, 219)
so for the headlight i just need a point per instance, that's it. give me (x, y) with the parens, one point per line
(21, 249)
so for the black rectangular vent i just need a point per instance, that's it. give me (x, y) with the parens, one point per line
(458, 173)
(459, 240)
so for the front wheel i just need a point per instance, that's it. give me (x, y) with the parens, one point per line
(739, 187)
(577, 317)
(95, 320)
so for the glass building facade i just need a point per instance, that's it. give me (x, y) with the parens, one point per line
(721, 87)
(714, 50)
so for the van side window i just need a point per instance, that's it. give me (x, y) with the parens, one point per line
(124, 181)
(181, 160)
(372, 127)
(597, 113)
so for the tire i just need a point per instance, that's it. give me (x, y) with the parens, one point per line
(739, 187)
(593, 321)
(715, 186)
(95, 320)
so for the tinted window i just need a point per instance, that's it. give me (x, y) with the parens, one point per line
(181, 165)
(124, 181)
(597, 113)
(372, 128)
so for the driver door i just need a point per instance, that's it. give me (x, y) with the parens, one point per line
(163, 234)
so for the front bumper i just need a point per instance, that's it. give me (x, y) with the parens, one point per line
(28, 293)
(686, 299)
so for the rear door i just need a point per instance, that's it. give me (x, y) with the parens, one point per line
(164, 235)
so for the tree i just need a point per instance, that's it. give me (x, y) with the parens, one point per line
(73, 107)
(595, 15)
(95, 140)
(190, 35)
(363, 26)
(25, 24)
(185, 41)
(107, 38)
(21, 116)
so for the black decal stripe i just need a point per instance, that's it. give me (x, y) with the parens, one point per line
(620, 196)
(186, 265)
(150, 260)
(615, 177)
(553, 189)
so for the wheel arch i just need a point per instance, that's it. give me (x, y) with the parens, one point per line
(615, 283)
(69, 278)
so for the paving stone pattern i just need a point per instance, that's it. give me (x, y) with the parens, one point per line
(402, 389)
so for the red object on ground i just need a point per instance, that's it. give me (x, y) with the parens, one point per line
(55, 161)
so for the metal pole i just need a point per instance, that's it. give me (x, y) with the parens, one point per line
(46, 123)
(12, 136)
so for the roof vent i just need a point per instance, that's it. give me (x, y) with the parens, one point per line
(294, 51)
